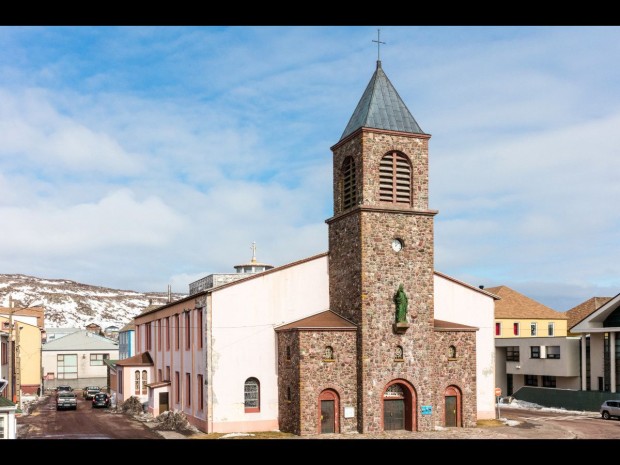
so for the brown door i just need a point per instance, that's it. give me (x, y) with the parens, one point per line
(451, 417)
(328, 423)
(163, 402)
(393, 414)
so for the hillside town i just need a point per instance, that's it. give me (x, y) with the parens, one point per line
(366, 337)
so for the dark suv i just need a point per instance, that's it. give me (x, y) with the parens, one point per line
(610, 408)
(101, 399)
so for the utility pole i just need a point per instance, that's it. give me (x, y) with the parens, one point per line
(10, 390)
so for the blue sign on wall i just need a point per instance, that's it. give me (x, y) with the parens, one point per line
(427, 409)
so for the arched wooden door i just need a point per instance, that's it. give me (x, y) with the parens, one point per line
(398, 407)
(329, 408)
(452, 407)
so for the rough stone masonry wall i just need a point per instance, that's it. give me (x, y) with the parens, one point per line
(459, 371)
(318, 374)
(288, 377)
(384, 271)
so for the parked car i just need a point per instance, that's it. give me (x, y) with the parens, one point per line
(64, 388)
(90, 391)
(610, 408)
(101, 399)
(66, 400)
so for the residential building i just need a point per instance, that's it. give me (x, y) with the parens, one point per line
(52, 334)
(127, 341)
(78, 360)
(4, 357)
(8, 422)
(600, 343)
(25, 360)
(367, 337)
(532, 347)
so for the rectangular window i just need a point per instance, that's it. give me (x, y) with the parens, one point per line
(167, 333)
(498, 329)
(188, 330)
(548, 381)
(167, 373)
(550, 329)
(97, 359)
(531, 380)
(120, 381)
(199, 379)
(515, 329)
(147, 336)
(512, 354)
(177, 331)
(2, 429)
(67, 366)
(188, 389)
(533, 328)
(5, 353)
(534, 351)
(158, 334)
(177, 384)
(199, 324)
(553, 351)
(159, 374)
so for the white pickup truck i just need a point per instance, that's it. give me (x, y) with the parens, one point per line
(66, 400)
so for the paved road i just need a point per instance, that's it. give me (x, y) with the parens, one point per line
(84, 423)
(88, 423)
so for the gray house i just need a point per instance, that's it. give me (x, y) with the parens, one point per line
(77, 359)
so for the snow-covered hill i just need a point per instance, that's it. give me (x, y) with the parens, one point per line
(71, 304)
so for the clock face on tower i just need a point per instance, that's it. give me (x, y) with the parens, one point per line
(397, 245)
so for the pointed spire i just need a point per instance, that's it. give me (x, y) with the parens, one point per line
(381, 108)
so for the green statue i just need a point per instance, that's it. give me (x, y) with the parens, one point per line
(400, 298)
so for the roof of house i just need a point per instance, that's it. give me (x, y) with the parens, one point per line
(513, 305)
(579, 312)
(326, 320)
(381, 108)
(131, 326)
(441, 325)
(143, 358)
(38, 312)
(81, 340)
(596, 321)
(4, 402)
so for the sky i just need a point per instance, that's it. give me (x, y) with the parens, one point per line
(141, 157)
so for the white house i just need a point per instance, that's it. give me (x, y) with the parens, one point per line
(77, 359)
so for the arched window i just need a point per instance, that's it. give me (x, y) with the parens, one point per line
(137, 383)
(288, 352)
(329, 353)
(288, 393)
(398, 353)
(349, 188)
(395, 179)
(144, 381)
(395, 390)
(452, 352)
(251, 395)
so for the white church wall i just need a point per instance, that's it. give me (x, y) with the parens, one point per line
(458, 303)
(244, 341)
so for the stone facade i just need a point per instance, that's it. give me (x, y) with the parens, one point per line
(309, 371)
(458, 371)
(365, 273)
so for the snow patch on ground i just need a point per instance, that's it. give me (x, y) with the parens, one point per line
(235, 435)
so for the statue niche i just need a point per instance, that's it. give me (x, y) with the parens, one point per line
(402, 302)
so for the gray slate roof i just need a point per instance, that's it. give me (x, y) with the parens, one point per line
(381, 108)
(81, 340)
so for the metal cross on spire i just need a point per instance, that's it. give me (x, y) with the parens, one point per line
(379, 44)
(253, 251)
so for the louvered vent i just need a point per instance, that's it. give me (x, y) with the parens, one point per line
(395, 179)
(349, 191)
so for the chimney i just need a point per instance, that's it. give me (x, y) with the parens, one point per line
(481, 286)
(169, 293)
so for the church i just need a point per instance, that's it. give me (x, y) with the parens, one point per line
(365, 337)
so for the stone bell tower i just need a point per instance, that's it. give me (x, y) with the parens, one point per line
(381, 237)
